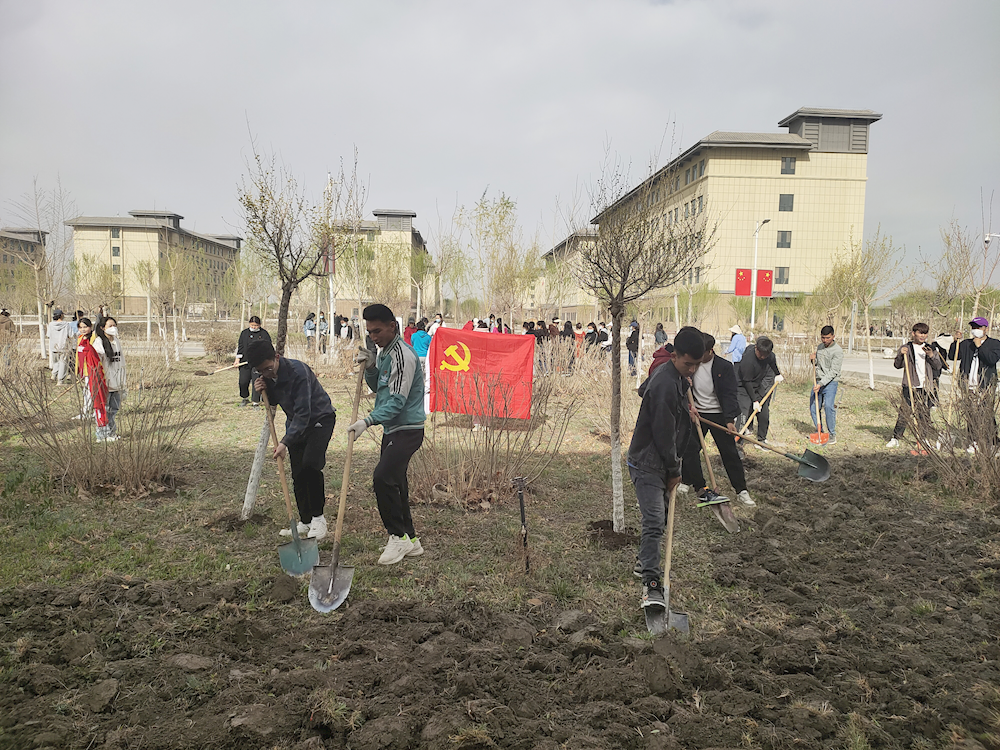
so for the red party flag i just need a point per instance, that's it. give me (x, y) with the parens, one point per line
(743, 282)
(481, 373)
(764, 281)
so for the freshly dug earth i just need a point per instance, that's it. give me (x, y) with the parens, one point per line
(859, 623)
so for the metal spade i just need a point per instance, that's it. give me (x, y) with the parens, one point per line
(659, 621)
(812, 466)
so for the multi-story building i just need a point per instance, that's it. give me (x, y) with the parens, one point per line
(122, 243)
(18, 245)
(395, 267)
(808, 182)
(557, 293)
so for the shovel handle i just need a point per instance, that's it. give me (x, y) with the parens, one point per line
(670, 535)
(704, 445)
(230, 367)
(751, 440)
(281, 467)
(347, 478)
(757, 411)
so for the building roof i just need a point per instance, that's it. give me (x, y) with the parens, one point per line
(590, 233)
(149, 223)
(847, 114)
(785, 140)
(394, 212)
(22, 233)
(155, 214)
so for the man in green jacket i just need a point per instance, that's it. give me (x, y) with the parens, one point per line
(397, 379)
(829, 360)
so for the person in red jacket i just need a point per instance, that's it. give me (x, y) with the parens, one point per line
(88, 364)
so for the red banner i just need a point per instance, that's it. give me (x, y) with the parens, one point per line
(486, 374)
(742, 282)
(764, 281)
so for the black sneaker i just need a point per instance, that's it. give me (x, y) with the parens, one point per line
(245, 402)
(709, 496)
(637, 570)
(652, 595)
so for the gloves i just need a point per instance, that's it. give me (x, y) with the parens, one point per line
(779, 378)
(357, 428)
(365, 357)
(756, 405)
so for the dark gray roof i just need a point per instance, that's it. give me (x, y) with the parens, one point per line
(785, 140)
(155, 214)
(393, 212)
(146, 223)
(847, 114)
(17, 237)
(581, 235)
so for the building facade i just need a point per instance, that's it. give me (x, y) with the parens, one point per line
(808, 182)
(121, 244)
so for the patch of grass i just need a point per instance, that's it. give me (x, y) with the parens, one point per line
(922, 608)
(854, 734)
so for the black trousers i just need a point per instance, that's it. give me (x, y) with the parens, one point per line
(246, 376)
(691, 464)
(308, 457)
(392, 491)
(763, 416)
(922, 409)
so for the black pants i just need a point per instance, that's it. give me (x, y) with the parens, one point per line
(392, 491)
(308, 457)
(922, 409)
(246, 375)
(691, 465)
(763, 416)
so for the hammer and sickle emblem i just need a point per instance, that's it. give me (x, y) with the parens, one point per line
(459, 362)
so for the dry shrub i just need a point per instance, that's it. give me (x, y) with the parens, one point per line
(220, 344)
(963, 419)
(589, 384)
(156, 416)
(792, 353)
(473, 459)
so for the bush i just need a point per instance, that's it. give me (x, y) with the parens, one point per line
(220, 344)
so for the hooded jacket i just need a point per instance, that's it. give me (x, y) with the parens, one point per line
(59, 336)
(663, 427)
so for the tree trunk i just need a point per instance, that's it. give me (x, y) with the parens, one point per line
(617, 491)
(975, 302)
(41, 315)
(286, 297)
(149, 318)
(677, 316)
(177, 346)
(250, 498)
(871, 364)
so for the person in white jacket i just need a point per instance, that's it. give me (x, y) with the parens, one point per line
(59, 345)
(109, 348)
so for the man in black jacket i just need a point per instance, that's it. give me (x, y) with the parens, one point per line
(661, 434)
(754, 376)
(309, 422)
(977, 364)
(253, 332)
(714, 387)
(632, 345)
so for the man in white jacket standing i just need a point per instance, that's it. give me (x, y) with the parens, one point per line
(59, 345)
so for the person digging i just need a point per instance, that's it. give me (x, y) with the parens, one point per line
(661, 435)
(714, 388)
(755, 374)
(397, 379)
(309, 422)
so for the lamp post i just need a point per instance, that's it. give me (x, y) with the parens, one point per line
(753, 279)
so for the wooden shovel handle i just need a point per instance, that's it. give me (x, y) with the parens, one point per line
(668, 554)
(757, 411)
(347, 473)
(704, 445)
(281, 464)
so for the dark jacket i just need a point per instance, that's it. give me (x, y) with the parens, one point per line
(724, 377)
(932, 368)
(632, 342)
(299, 394)
(752, 372)
(663, 427)
(247, 338)
(988, 354)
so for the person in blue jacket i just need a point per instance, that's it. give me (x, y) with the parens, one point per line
(397, 378)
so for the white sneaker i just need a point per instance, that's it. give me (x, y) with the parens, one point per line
(892, 443)
(317, 529)
(744, 499)
(418, 548)
(683, 489)
(111, 439)
(395, 549)
(971, 450)
(302, 528)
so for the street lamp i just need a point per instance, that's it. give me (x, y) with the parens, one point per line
(753, 279)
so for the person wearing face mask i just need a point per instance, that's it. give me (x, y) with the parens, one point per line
(253, 332)
(978, 356)
(590, 337)
(108, 346)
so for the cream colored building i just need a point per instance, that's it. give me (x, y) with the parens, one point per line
(557, 293)
(809, 182)
(121, 243)
(16, 245)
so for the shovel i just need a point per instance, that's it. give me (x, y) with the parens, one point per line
(330, 584)
(659, 621)
(812, 466)
(721, 510)
(757, 411)
(299, 555)
(819, 438)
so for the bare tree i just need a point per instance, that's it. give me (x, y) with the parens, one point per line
(636, 251)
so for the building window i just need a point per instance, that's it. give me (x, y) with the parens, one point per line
(687, 208)
(701, 203)
(785, 202)
(116, 268)
(701, 168)
(677, 215)
(694, 276)
(784, 239)
(116, 232)
(687, 176)
(116, 252)
(787, 165)
(781, 275)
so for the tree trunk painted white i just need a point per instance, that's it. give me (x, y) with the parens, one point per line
(41, 317)
(677, 316)
(617, 490)
(250, 498)
(177, 346)
(149, 318)
(871, 364)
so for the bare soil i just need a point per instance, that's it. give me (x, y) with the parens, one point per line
(857, 619)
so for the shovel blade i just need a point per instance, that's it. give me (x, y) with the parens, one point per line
(298, 556)
(814, 467)
(819, 438)
(660, 620)
(329, 587)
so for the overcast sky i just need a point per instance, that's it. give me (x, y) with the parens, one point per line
(141, 104)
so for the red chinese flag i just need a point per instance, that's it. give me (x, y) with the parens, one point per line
(481, 373)
(742, 282)
(764, 280)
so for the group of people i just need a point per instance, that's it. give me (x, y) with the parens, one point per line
(94, 351)
(394, 373)
(317, 331)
